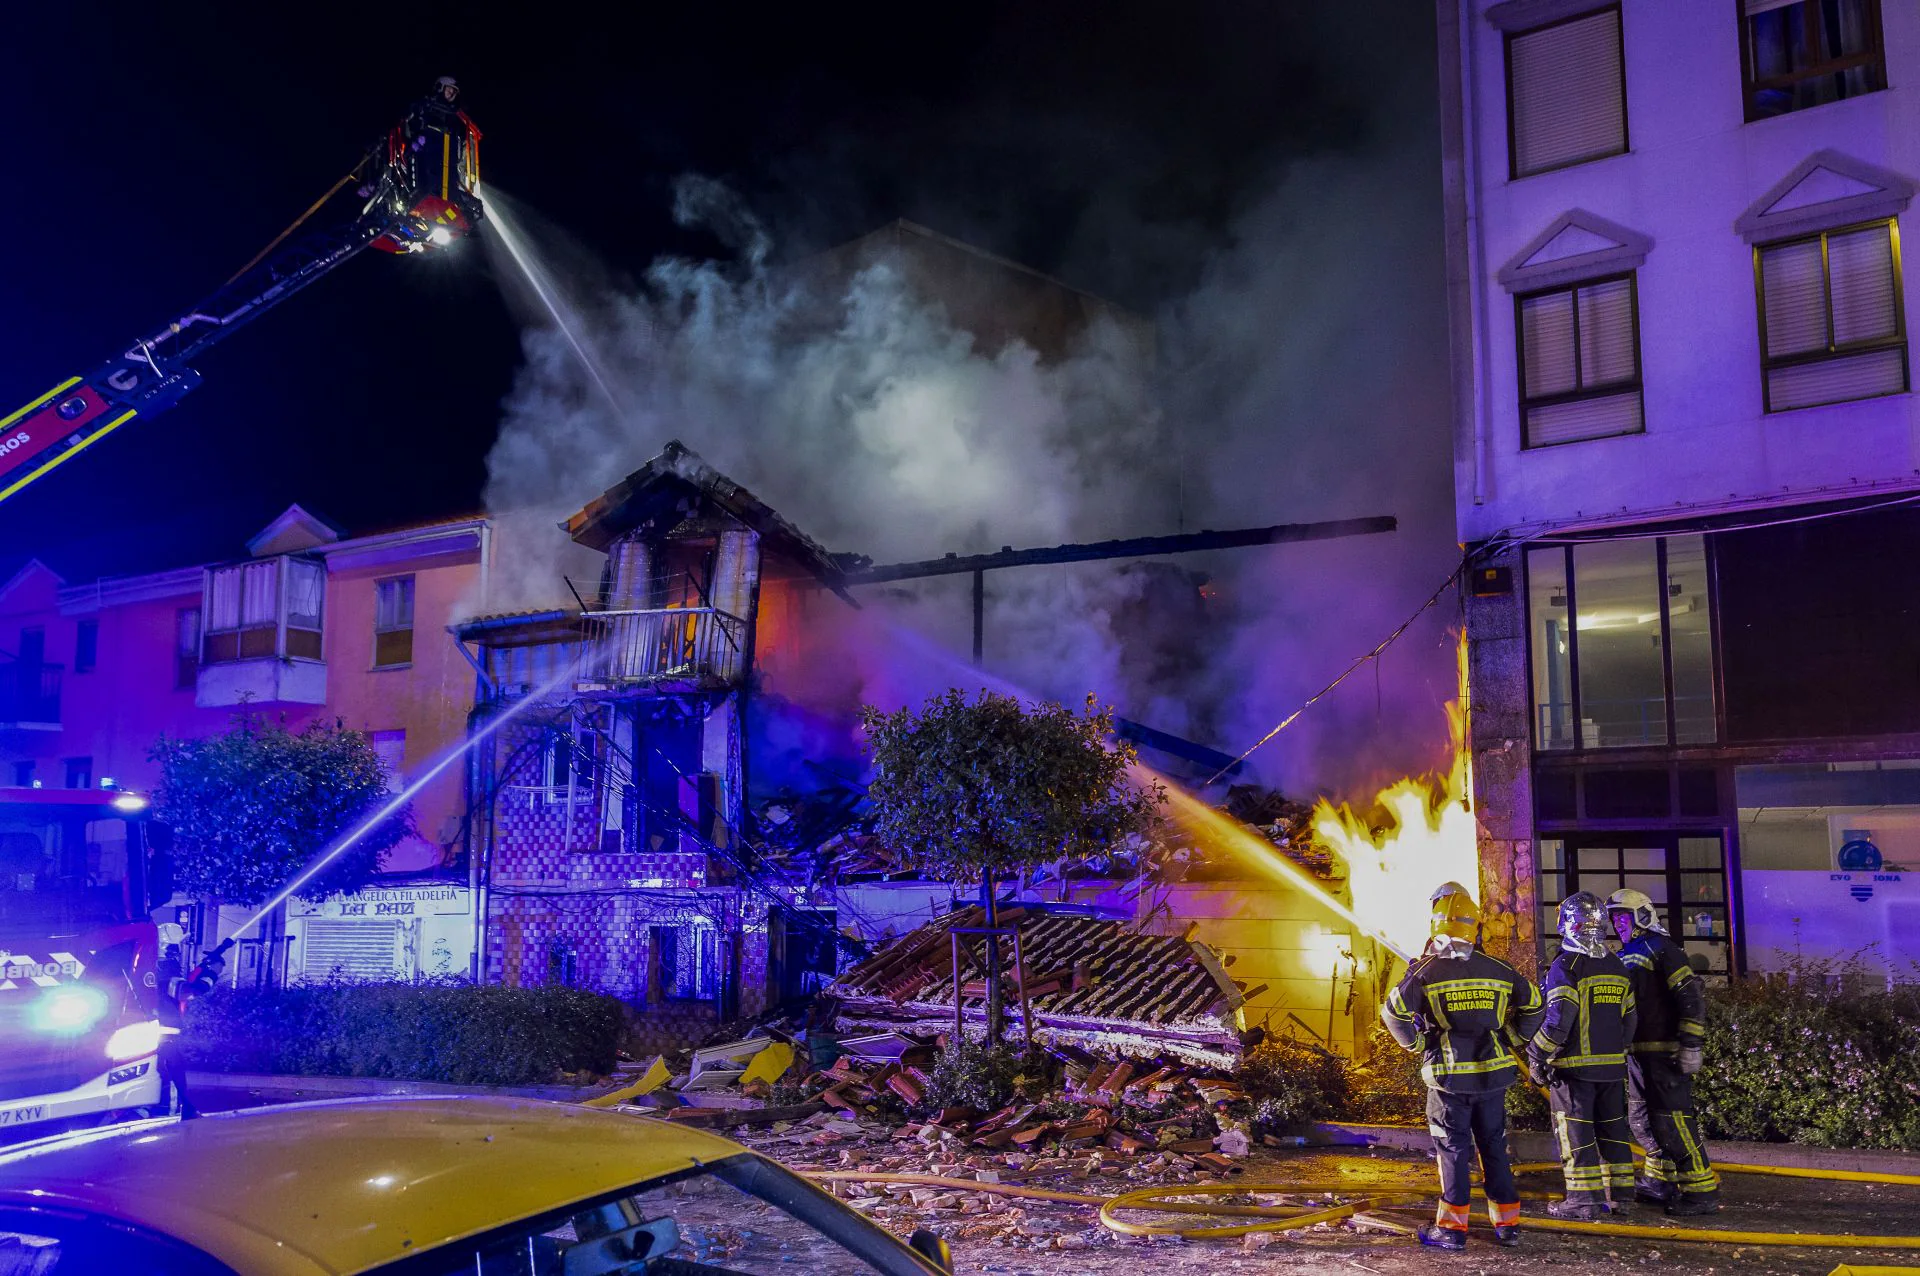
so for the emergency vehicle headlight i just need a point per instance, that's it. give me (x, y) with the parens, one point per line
(75, 1008)
(134, 1040)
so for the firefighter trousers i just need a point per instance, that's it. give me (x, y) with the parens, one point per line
(1590, 1126)
(1460, 1124)
(1660, 1109)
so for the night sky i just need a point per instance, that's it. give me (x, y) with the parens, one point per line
(155, 148)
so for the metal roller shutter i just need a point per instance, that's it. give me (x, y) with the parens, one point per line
(350, 950)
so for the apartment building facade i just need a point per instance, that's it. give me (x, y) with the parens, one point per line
(310, 626)
(1687, 464)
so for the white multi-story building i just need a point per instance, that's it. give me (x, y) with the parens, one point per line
(1687, 459)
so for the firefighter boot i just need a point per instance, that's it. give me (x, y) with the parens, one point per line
(1507, 1236)
(1653, 1192)
(1437, 1237)
(1689, 1206)
(1579, 1209)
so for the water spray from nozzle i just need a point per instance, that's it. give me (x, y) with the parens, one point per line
(502, 224)
(394, 805)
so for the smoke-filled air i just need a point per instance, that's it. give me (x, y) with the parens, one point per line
(1297, 374)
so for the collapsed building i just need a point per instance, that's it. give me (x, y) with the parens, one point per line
(676, 818)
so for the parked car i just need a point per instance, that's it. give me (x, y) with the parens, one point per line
(426, 1187)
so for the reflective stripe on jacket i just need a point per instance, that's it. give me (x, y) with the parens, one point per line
(1669, 994)
(1590, 1017)
(1467, 1016)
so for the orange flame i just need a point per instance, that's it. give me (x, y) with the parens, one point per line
(1428, 838)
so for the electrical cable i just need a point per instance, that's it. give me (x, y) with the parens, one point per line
(1309, 702)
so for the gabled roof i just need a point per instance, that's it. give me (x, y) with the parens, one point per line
(1824, 190)
(29, 570)
(293, 531)
(1577, 245)
(675, 482)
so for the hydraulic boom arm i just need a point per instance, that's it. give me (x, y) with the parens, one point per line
(417, 189)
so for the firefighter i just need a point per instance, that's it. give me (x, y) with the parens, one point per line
(1580, 1052)
(1467, 1012)
(1666, 1052)
(175, 984)
(445, 89)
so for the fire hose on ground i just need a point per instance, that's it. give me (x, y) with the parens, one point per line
(1364, 1201)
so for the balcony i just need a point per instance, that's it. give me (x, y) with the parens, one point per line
(29, 696)
(262, 643)
(671, 650)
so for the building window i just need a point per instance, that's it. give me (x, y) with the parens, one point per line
(1579, 362)
(1622, 644)
(245, 605)
(687, 958)
(1801, 53)
(1831, 327)
(1685, 875)
(79, 773)
(393, 622)
(186, 647)
(23, 774)
(86, 646)
(1566, 93)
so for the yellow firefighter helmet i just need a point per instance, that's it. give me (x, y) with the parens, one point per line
(1456, 918)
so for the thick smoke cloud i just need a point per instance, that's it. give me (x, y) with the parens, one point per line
(1299, 374)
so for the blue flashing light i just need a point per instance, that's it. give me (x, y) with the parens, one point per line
(73, 1008)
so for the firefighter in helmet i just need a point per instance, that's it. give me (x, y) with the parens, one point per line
(1672, 1000)
(175, 984)
(1466, 1012)
(1580, 1053)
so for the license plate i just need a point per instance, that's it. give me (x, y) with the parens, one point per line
(21, 1116)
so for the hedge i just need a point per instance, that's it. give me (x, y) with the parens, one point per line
(1824, 1054)
(443, 1031)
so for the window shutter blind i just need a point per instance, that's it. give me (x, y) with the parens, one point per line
(1767, 6)
(1606, 334)
(1794, 286)
(1860, 376)
(1546, 337)
(1860, 265)
(1568, 93)
(1584, 419)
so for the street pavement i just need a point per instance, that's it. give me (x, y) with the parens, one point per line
(1008, 1237)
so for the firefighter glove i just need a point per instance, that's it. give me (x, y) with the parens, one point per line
(1690, 1060)
(1539, 1070)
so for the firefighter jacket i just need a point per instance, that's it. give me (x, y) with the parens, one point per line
(1467, 1016)
(1590, 1017)
(1668, 993)
(175, 984)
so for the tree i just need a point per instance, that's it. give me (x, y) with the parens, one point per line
(981, 788)
(252, 807)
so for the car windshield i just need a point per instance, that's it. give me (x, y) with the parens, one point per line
(743, 1216)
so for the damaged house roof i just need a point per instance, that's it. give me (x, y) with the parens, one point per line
(1090, 981)
(670, 485)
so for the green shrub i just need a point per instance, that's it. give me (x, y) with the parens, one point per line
(971, 1074)
(1291, 1083)
(1387, 1089)
(1824, 1055)
(442, 1031)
